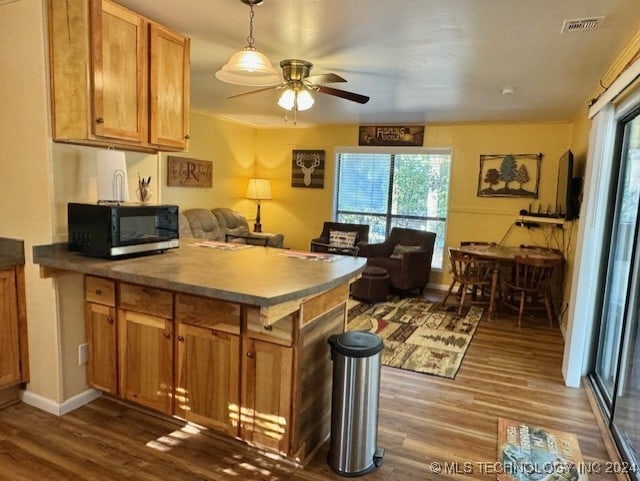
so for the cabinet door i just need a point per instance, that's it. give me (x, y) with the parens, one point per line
(9, 330)
(119, 67)
(266, 394)
(102, 359)
(146, 360)
(208, 370)
(169, 88)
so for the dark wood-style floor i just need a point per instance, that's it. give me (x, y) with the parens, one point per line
(508, 372)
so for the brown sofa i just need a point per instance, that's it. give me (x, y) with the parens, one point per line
(411, 266)
(223, 224)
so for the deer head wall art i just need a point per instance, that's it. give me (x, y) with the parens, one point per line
(307, 168)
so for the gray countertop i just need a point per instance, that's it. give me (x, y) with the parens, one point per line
(259, 276)
(11, 252)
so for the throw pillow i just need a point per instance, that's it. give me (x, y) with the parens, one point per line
(399, 250)
(342, 239)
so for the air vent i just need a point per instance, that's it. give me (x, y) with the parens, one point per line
(581, 24)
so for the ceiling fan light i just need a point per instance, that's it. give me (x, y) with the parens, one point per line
(249, 67)
(304, 100)
(288, 99)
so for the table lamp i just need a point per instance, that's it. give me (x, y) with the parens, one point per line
(258, 189)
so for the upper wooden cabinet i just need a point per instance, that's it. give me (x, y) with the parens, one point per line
(117, 78)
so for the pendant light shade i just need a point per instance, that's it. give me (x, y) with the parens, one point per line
(248, 66)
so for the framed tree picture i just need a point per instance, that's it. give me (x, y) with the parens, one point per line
(509, 175)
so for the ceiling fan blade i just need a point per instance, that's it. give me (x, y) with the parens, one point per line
(361, 99)
(254, 92)
(325, 78)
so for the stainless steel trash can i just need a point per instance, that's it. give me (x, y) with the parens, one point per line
(353, 449)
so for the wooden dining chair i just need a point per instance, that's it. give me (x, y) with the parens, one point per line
(483, 292)
(470, 273)
(530, 286)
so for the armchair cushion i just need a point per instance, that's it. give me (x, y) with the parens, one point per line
(400, 250)
(342, 239)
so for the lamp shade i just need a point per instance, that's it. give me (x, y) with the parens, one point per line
(249, 67)
(259, 189)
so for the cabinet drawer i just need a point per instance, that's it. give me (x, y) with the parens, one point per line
(208, 313)
(147, 300)
(100, 290)
(280, 332)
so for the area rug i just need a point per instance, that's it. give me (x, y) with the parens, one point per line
(418, 335)
(528, 453)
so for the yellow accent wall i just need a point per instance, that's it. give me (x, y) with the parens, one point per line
(300, 212)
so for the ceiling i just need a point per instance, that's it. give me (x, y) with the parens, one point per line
(420, 61)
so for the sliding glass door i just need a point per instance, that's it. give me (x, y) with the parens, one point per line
(625, 220)
(617, 364)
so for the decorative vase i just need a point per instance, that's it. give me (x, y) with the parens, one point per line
(143, 194)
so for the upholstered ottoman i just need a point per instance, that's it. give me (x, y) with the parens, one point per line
(373, 286)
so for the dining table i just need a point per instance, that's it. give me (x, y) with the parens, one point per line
(505, 256)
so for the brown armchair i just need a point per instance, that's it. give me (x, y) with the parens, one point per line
(322, 243)
(406, 255)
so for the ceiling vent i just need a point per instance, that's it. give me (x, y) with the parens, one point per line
(580, 24)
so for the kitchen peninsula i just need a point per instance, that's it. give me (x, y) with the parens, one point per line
(230, 338)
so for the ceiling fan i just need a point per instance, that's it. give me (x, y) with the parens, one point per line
(298, 85)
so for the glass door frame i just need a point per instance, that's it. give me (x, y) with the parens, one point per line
(607, 403)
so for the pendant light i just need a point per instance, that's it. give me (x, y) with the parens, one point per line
(248, 66)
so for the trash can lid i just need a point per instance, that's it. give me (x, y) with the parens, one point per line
(356, 343)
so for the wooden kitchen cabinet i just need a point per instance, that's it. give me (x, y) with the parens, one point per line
(267, 374)
(208, 385)
(100, 332)
(169, 89)
(126, 86)
(145, 345)
(10, 372)
(102, 357)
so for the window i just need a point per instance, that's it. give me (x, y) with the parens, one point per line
(394, 189)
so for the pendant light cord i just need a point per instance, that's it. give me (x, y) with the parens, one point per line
(250, 38)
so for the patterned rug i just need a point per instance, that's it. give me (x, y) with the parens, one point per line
(417, 334)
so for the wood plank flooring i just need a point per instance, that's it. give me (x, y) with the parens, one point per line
(508, 372)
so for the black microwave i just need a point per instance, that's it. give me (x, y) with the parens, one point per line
(114, 230)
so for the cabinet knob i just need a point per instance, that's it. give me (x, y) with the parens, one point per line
(99, 292)
(268, 328)
(99, 120)
(181, 338)
(110, 320)
(251, 354)
(166, 335)
(187, 137)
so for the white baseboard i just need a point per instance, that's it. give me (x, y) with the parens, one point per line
(59, 409)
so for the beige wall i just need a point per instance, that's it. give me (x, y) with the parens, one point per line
(25, 177)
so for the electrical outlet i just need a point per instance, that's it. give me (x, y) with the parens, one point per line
(82, 354)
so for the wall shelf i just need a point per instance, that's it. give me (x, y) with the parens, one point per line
(524, 219)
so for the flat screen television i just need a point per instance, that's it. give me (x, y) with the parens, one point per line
(568, 188)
